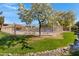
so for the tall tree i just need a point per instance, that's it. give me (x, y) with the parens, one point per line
(25, 14)
(1, 20)
(56, 20)
(69, 19)
(66, 19)
(41, 12)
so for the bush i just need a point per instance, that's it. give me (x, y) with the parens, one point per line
(13, 40)
(75, 53)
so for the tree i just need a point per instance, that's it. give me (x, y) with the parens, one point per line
(70, 18)
(25, 15)
(41, 12)
(66, 19)
(58, 17)
(1, 20)
(56, 20)
(77, 24)
(75, 27)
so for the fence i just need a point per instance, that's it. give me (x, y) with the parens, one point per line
(30, 31)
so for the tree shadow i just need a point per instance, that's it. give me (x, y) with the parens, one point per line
(74, 53)
(12, 40)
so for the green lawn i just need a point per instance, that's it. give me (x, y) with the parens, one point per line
(2, 34)
(36, 46)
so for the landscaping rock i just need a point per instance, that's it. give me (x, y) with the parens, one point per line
(57, 52)
(9, 54)
(74, 47)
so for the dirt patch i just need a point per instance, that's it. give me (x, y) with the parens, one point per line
(54, 36)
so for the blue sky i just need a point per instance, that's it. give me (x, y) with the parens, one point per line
(10, 10)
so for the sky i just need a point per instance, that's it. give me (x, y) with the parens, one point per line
(10, 11)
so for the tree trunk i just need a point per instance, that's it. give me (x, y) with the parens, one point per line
(52, 27)
(39, 28)
(0, 27)
(70, 28)
(14, 29)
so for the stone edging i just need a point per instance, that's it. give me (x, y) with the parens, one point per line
(57, 52)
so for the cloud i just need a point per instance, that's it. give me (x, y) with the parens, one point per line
(11, 7)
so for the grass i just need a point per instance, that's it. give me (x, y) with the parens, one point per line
(36, 46)
(2, 34)
(50, 43)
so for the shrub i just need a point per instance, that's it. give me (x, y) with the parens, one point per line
(13, 40)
